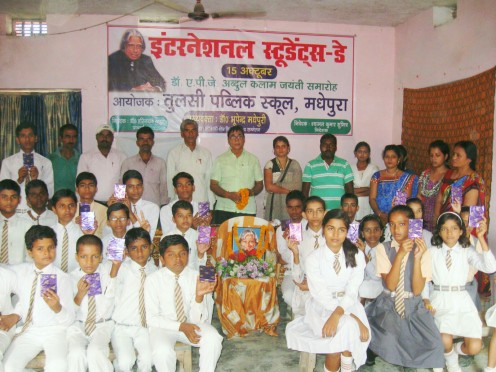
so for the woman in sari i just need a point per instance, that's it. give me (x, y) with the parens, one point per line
(431, 179)
(362, 172)
(385, 183)
(281, 175)
(462, 175)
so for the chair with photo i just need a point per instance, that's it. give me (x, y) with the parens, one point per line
(246, 296)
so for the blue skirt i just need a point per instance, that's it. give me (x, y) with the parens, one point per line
(413, 342)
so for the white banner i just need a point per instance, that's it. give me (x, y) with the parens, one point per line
(268, 82)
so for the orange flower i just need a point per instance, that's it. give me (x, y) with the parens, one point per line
(245, 197)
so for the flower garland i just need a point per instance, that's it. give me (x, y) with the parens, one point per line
(244, 199)
(240, 265)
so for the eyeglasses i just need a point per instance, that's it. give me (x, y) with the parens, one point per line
(240, 137)
(120, 219)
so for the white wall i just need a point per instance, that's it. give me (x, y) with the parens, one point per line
(427, 56)
(78, 60)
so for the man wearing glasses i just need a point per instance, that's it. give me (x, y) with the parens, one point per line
(233, 171)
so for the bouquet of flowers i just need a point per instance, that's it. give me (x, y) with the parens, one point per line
(241, 265)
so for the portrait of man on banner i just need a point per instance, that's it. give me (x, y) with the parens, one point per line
(131, 70)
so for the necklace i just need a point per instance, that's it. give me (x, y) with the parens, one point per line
(281, 167)
(392, 175)
(424, 181)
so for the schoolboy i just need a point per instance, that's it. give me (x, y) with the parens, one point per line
(177, 310)
(64, 205)
(131, 330)
(13, 167)
(118, 221)
(43, 317)
(294, 206)
(313, 212)
(37, 199)
(89, 336)
(184, 187)
(12, 226)
(86, 188)
(182, 212)
(7, 318)
(143, 213)
(349, 205)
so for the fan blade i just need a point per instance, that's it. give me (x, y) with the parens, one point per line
(238, 14)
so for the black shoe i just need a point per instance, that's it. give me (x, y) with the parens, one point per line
(370, 358)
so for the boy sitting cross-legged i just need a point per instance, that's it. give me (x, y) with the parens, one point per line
(45, 308)
(176, 309)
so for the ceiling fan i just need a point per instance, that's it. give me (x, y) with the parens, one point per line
(198, 14)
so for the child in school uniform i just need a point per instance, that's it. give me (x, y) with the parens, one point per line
(313, 212)
(118, 221)
(7, 318)
(43, 312)
(130, 331)
(403, 330)
(349, 205)
(334, 323)
(12, 226)
(143, 213)
(455, 314)
(94, 291)
(294, 206)
(370, 232)
(37, 200)
(86, 189)
(64, 205)
(176, 309)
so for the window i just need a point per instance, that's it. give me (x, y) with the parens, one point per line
(29, 27)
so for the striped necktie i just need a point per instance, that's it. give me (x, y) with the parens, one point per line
(316, 244)
(336, 265)
(64, 263)
(29, 316)
(449, 261)
(399, 300)
(4, 250)
(178, 297)
(90, 324)
(141, 298)
(369, 255)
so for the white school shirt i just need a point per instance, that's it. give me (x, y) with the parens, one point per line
(198, 163)
(10, 170)
(107, 170)
(47, 218)
(306, 247)
(7, 287)
(17, 226)
(42, 315)
(154, 177)
(461, 260)
(370, 269)
(323, 281)
(166, 215)
(282, 245)
(191, 237)
(74, 233)
(104, 302)
(150, 211)
(160, 304)
(126, 309)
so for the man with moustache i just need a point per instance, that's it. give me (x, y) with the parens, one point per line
(328, 176)
(104, 162)
(65, 159)
(151, 167)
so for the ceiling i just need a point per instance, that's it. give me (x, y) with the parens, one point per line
(360, 12)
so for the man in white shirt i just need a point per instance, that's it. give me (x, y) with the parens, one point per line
(7, 288)
(27, 165)
(176, 309)
(104, 162)
(151, 167)
(194, 159)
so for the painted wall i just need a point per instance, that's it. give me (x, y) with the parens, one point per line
(78, 60)
(427, 56)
